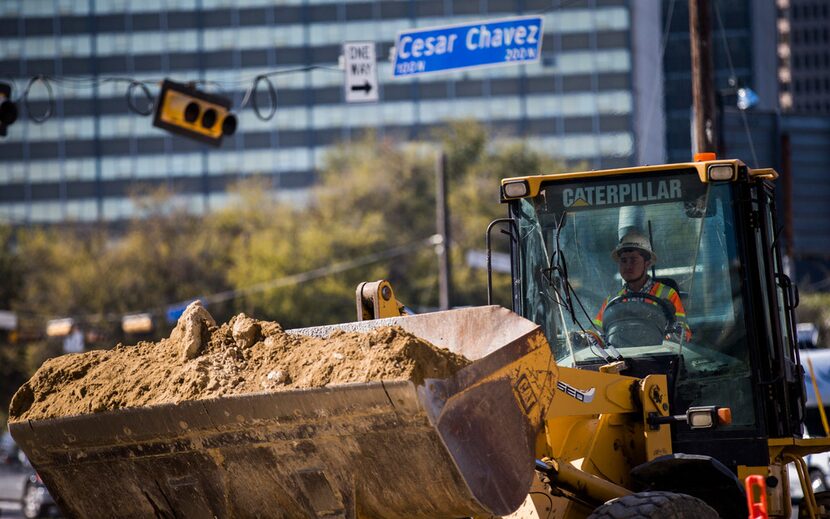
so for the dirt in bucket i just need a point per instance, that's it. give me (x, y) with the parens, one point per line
(202, 360)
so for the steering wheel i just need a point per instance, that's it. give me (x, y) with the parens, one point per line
(667, 308)
(645, 321)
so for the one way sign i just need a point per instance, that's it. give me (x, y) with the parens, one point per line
(361, 72)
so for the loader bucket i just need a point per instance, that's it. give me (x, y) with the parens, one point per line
(454, 447)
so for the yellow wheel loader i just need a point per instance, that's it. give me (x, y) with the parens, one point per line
(586, 400)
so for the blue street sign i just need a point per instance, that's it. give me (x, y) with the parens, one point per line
(478, 44)
(173, 312)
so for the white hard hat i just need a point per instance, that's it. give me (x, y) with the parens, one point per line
(634, 240)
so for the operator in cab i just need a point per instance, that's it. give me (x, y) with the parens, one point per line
(634, 256)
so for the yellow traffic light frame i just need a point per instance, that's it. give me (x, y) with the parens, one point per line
(186, 111)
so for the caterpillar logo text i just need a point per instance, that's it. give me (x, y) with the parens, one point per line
(614, 194)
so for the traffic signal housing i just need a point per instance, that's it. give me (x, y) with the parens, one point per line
(186, 111)
(8, 109)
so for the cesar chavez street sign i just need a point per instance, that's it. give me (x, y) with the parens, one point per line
(477, 44)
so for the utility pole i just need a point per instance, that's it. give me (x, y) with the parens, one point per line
(442, 218)
(703, 85)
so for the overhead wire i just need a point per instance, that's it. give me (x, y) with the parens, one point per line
(732, 74)
(146, 92)
(653, 103)
(250, 94)
(328, 270)
(142, 87)
(50, 107)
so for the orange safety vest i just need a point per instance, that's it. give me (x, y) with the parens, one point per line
(656, 289)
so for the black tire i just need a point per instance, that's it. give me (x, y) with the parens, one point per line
(655, 505)
(31, 505)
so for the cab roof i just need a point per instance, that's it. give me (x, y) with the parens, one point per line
(534, 182)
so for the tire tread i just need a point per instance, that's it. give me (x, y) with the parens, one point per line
(653, 505)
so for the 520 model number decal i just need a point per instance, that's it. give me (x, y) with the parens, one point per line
(582, 396)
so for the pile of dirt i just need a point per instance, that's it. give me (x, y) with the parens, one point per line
(202, 360)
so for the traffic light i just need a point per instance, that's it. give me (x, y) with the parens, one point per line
(8, 110)
(183, 110)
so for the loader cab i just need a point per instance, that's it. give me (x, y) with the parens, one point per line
(712, 228)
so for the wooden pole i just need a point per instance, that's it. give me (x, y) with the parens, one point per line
(442, 219)
(703, 91)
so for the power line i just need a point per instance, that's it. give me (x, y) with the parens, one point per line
(323, 271)
(732, 74)
(144, 85)
(652, 105)
(285, 281)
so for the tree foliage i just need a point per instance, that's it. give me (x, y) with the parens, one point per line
(370, 216)
(12, 373)
(375, 195)
(279, 259)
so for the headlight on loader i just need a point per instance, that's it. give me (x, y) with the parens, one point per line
(721, 172)
(516, 189)
(698, 417)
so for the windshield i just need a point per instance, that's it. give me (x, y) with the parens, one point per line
(570, 270)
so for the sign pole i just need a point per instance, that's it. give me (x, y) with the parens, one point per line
(442, 218)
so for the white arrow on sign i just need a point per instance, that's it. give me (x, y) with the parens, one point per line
(361, 72)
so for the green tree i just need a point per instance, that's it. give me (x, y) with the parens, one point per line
(370, 217)
(13, 370)
(164, 256)
(65, 272)
(167, 256)
(10, 268)
(361, 207)
(375, 195)
(476, 169)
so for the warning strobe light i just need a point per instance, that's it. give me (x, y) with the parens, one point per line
(186, 111)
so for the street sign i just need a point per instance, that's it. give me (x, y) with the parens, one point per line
(173, 312)
(361, 72)
(478, 44)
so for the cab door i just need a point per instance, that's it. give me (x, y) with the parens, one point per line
(784, 380)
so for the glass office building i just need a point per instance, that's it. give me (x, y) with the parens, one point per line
(804, 56)
(578, 102)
